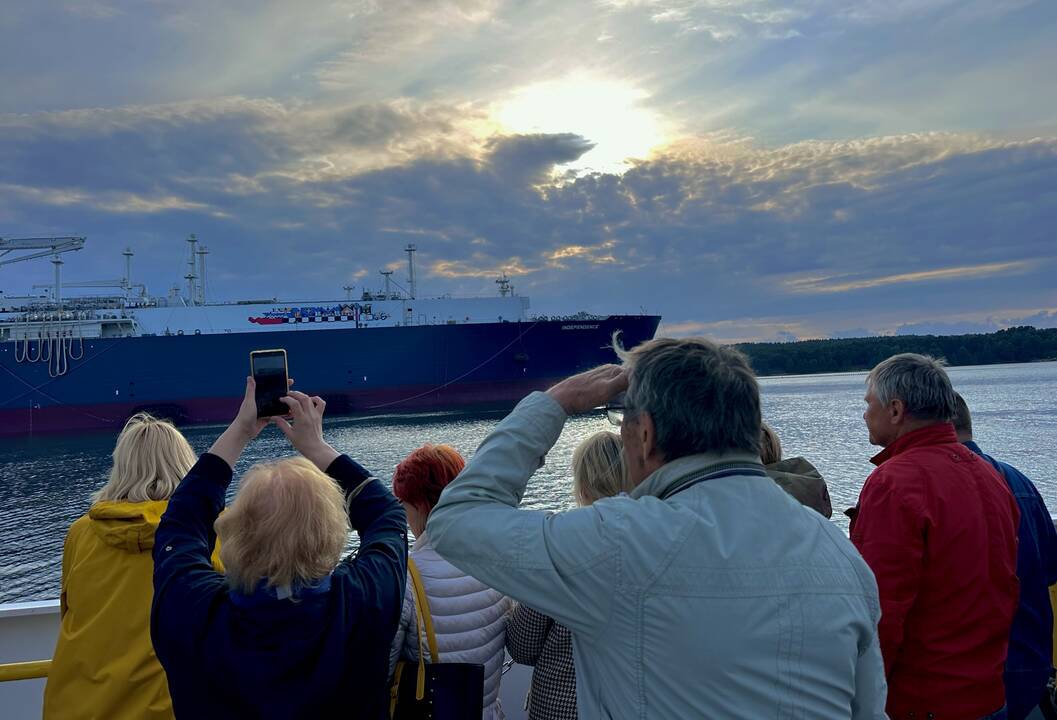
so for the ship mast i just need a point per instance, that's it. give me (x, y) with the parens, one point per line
(57, 262)
(201, 255)
(410, 250)
(127, 252)
(190, 277)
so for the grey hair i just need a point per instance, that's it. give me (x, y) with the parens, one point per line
(919, 381)
(701, 396)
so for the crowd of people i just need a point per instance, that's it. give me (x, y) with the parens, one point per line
(698, 576)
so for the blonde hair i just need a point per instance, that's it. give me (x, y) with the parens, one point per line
(770, 445)
(151, 457)
(598, 468)
(287, 525)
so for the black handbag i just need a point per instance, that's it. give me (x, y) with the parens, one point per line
(445, 691)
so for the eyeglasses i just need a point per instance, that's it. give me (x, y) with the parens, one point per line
(616, 410)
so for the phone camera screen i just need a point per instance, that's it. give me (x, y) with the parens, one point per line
(269, 373)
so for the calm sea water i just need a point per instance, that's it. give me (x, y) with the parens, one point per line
(45, 482)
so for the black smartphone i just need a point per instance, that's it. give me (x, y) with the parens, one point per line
(268, 368)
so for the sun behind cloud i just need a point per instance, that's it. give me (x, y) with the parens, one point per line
(609, 113)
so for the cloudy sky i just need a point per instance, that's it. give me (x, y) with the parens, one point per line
(749, 169)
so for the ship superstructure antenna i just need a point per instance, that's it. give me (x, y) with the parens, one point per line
(505, 288)
(201, 253)
(348, 292)
(410, 250)
(387, 274)
(190, 277)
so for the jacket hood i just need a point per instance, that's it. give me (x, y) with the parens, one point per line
(804, 482)
(127, 526)
(793, 466)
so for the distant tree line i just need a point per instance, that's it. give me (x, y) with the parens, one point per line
(1013, 345)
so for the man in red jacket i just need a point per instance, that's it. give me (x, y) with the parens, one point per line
(938, 526)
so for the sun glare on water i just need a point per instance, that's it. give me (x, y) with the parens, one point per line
(608, 113)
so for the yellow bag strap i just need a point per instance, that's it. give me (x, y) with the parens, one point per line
(424, 621)
(394, 691)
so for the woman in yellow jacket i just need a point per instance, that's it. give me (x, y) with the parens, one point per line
(104, 665)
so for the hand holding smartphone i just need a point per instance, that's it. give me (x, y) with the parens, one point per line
(268, 368)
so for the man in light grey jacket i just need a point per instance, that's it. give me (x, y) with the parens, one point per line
(709, 591)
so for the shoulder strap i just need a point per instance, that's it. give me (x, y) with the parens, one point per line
(423, 625)
(422, 608)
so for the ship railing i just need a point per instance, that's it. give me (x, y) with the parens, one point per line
(30, 670)
(28, 633)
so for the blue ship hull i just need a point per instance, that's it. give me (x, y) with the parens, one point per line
(198, 378)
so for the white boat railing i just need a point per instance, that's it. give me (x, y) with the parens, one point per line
(27, 637)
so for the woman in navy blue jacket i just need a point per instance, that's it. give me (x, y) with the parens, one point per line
(291, 630)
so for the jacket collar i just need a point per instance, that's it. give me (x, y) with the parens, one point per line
(422, 542)
(941, 433)
(974, 447)
(670, 475)
(265, 594)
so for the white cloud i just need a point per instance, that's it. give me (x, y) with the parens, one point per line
(844, 283)
(113, 202)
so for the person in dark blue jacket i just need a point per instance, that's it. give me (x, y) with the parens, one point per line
(291, 631)
(1030, 658)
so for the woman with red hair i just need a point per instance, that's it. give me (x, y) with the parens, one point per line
(469, 618)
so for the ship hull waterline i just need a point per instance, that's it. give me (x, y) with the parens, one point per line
(196, 379)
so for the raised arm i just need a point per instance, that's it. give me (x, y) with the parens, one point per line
(379, 567)
(185, 581)
(562, 564)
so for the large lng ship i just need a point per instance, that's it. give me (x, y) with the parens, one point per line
(89, 362)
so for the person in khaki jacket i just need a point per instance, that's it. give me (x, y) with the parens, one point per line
(104, 664)
(795, 475)
(708, 591)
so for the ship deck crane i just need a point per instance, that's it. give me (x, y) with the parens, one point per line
(53, 246)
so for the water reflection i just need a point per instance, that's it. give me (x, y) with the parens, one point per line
(47, 481)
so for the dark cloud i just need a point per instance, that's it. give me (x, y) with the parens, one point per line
(528, 159)
(796, 241)
(140, 149)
